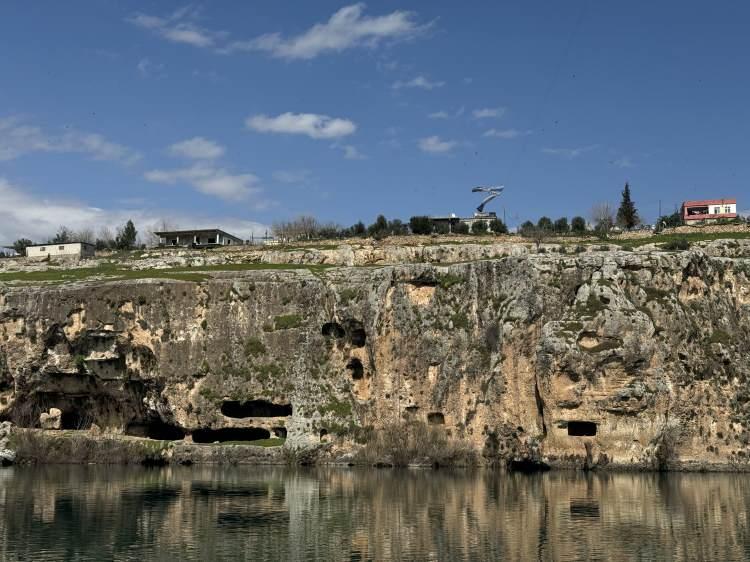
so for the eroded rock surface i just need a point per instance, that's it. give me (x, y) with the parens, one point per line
(581, 359)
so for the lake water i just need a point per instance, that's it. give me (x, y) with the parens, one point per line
(125, 513)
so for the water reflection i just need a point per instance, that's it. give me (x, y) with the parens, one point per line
(95, 513)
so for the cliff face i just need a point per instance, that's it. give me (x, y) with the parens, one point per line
(601, 358)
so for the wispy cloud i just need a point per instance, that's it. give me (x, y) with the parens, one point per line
(197, 148)
(30, 215)
(347, 28)
(19, 139)
(505, 133)
(439, 115)
(209, 180)
(311, 124)
(489, 113)
(418, 82)
(147, 68)
(178, 27)
(570, 153)
(435, 145)
(352, 153)
(623, 162)
(292, 176)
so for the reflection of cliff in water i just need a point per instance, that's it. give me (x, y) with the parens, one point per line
(267, 513)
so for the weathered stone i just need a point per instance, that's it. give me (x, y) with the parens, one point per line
(51, 419)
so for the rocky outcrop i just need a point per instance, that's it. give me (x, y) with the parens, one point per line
(561, 358)
(7, 456)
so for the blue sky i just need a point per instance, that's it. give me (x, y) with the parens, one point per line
(242, 113)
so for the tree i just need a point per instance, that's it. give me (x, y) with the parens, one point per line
(561, 225)
(420, 225)
(126, 236)
(578, 225)
(397, 227)
(21, 244)
(359, 229)
(526, 228)
(479, 227)
(63, 236)
(669, 221)
(379, 228)
(627, 215)
(461, 228)
(603, 219)
(498, 227)
(84, 235)
(544, 223)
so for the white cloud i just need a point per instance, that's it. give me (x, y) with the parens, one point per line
(489, 113)
(439, 115)
(209, 180)
(623, 162)
(351, 153)
(435, 145)
(197, 148)
(177, 28)
(311, 124)
(418, 82)
(18, 139)
(569, 153)
(505, 133)
(28, 215)
(347, 28)
(148, 68)
(292, 176)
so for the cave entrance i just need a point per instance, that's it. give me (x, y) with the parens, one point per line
(74, 419)
(230, 434)
(333, 330)
(436, 418)
(357, 334)
(356, 369)
(581, 428)
(279, 432)
(156, 429)
(255, 409)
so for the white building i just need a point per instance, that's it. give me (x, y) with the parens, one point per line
(72, 249)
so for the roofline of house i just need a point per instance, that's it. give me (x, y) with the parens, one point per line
(59, 244)
(196, 231)
(698, 203)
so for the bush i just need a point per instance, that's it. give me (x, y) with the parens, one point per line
(400, 444)
(420, 225)
(544, 223)
(578, 225)
(561, 225)
(676, 245)
(461, 228)
(479, 227)
(498, 227)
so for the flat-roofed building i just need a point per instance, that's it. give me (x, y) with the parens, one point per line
(709, 210)
(202, 238)
(69, 249)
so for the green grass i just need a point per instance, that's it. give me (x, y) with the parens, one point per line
(448, 280)
(690, 237)
(114, 271)
(254, 348)
(287, 322)
(272, 442)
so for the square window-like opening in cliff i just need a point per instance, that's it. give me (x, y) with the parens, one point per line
(581, 428)
(435, 418)
(230, 434)
(255, 409)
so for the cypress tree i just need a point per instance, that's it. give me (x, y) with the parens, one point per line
(627, 215)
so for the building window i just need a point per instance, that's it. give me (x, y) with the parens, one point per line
(61, 247)
(212, 240)
(727, 209)
(42, 249)
(717, 210)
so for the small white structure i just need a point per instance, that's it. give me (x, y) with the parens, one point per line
(72, 249)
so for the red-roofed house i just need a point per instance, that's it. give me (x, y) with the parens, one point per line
(709, 210)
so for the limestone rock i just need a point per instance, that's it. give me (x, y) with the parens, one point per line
(51, 419)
